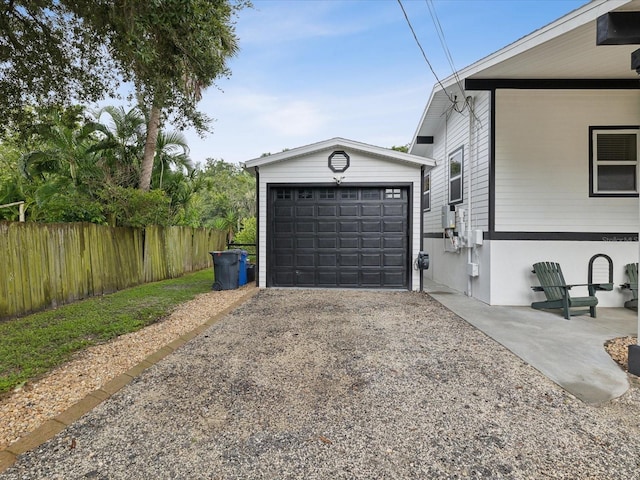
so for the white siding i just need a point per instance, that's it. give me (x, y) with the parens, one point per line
(542, 160)
(450, 268)
(313, 169)
(512, 265)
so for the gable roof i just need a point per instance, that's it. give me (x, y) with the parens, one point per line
(564, 49)
(338, 143)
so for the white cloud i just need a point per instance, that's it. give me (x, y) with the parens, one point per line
(293, 118)
(287, 22)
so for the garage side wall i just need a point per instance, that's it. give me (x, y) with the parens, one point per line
(364, 169)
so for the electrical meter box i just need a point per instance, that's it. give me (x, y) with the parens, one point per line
(448, 216)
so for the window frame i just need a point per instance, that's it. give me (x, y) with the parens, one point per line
(458, 151)
(426, 192)
(594, 131)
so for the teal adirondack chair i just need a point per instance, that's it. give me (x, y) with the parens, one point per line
(632, 285)
(556, 290)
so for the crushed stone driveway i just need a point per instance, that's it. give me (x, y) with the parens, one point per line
(343, 384)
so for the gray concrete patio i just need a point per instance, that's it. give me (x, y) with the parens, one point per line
(569, 352)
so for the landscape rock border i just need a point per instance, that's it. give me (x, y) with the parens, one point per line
(36, 411)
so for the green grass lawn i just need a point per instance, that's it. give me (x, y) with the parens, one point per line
(33, 345)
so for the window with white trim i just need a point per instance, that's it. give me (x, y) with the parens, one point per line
(426, 192)
(455, 175)
(614, 161)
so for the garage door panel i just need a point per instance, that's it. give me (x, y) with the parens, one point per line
(371, 279)
(284, 227)
(338, 237)
(370, 226)
(282, 243)
(394, 242)
(348, 278)
(305, 260)
(327, 259)
(371, 210)
(305, 278)
(284, 260)
(393, 226)
(348, 242)
(392, 259)
(370, 260)
(305, 211)
(327, 242)
(393, 279)
(348, 259)
(348, 227)
(348, 210)
(283, 277)
(305, 242)
(330, 211)
(327, 279)
(327, 227)
(284, 213)
(371, 242)
(305, 227)
(390, 210)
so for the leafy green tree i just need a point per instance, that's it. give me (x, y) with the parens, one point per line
(60, 51)
(401, 148)
(131, 207)
(49, 56)
(248, 235)
(60, 176)
(171, 50)
(227, 189)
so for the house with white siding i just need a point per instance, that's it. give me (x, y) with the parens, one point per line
(339, 214)
(536, 152)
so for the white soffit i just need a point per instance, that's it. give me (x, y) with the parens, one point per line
(564, 49)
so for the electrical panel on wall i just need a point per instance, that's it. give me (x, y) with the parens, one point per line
(448, 216)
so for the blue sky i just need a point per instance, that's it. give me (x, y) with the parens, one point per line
(310, 70)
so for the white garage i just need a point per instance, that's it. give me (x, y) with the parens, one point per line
(339, 214)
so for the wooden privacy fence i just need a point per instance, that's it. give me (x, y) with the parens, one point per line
(46, 265)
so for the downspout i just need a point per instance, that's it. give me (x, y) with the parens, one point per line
(422, 169)
(470, 248)
(257, 267)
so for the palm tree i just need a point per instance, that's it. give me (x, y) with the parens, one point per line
(172, 151)
(62, 173)
(228, 223)
(64, 152)
(122, 144)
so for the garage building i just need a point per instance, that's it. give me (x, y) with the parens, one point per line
(339, 214)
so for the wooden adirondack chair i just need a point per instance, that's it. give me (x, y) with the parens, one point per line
(556, 290)
(632, 285)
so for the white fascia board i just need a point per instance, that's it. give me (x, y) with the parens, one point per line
(344, 144)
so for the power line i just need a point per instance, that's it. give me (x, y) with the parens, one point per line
(422, 50)
(440, 32)
(445, 48)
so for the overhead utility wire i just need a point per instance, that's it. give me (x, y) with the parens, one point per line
(422, 50)
(440, 32)
(443, 42)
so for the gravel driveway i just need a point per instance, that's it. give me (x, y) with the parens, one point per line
(319, 384)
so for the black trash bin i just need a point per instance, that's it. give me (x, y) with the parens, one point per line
(251, 272)
(225, 269)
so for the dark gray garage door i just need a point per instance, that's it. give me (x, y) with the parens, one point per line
(338, 237)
